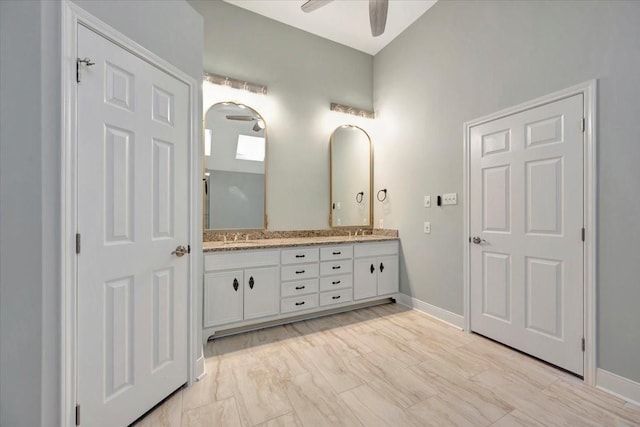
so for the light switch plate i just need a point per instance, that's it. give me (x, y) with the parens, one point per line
(450, 199)
(427, 227)
(427, 201)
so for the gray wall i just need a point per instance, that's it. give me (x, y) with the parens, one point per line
(304, 73)
(462, 60)
(29, 182)
(28, 228)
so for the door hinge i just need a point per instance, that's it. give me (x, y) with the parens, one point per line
(85, 61)
(584, 124)
(77, 243)
(77, 415)
(584, 344)
(584, 234)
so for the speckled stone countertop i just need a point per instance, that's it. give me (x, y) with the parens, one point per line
(286, 239)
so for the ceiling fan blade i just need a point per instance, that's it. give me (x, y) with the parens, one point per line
(312, 5)
(378, 16)
(241, 118)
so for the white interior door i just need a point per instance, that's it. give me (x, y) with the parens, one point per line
(132, 213)
(526, 216)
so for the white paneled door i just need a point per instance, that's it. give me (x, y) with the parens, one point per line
(526, 195)
(132, 213)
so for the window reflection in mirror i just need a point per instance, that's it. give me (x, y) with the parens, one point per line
(351, 176)
(234, 162)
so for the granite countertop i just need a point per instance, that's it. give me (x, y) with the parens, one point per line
(219, 246)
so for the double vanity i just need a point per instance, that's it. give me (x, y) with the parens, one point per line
(277, 276)
(251, 284)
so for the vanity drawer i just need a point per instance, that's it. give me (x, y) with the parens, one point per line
(240, 259)
(336, 267)
(376, 249)
(336, 252)
(336, 282)
(299, 287)
(299, 256)
(298, 272)
(336, 297)
(299, 303)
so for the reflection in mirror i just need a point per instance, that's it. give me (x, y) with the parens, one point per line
(351, 175)
(234, 154)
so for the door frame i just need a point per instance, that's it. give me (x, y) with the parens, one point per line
(589, 91)
(71, 16)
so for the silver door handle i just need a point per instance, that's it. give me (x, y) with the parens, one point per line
(478, 240)
(180, 251)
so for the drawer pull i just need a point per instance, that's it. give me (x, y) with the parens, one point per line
(381, 267)
(300, 271)
(337, 253)
(300, 303)
(336, 267)
(251, 282)
(336, 297)
(300, 287)
(300, 256)
(372, 269)
(235, 285)
(336, 282)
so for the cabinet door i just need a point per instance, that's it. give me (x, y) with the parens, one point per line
(223, 299)
(387, 267)
(261, 292)
(364, 278)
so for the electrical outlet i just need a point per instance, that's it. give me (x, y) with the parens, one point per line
(450, 199)
(427, 201)
(427, 227)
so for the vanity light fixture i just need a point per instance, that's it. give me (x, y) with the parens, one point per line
(353, 111)
(235, 83)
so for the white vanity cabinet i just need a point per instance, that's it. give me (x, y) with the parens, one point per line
(241, 285)
(375, 270)
(249, 287)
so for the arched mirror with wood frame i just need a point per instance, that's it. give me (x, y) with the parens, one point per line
(235, 146)
(351, 177)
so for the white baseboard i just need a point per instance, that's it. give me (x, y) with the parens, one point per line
(438, 313)
(622, 387)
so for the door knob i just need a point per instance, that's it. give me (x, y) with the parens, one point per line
(180, 251)
(477, 240)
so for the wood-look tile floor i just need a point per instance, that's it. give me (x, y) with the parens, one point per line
(385, 365)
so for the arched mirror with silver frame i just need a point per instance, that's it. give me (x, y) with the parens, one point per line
(235, 142)
(351, 177)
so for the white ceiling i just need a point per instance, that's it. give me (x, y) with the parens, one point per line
(343, 21)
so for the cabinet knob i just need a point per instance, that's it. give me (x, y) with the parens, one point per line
(381, 267)
(235, 285)
(251, 282)
(372, 269)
